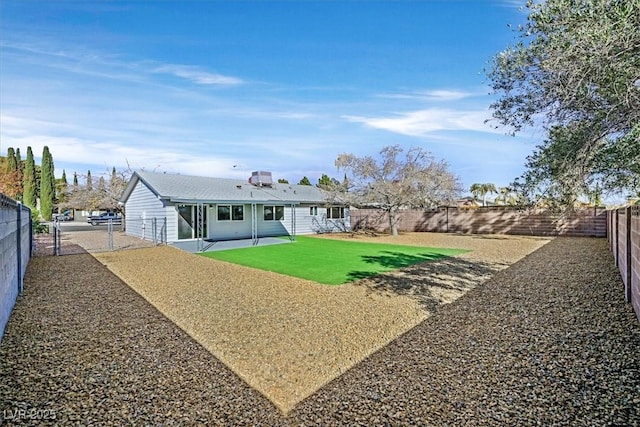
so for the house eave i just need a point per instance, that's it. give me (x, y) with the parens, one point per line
(228, 202)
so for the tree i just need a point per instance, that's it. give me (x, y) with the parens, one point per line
(10, 177)
(304, 181)
(103, 196)
(618, 165)
(62, 189)
(397, 179)
(506, 196)
(575, 72)
(282, 181)
(30, 191)
(11, 165)
(117, 185)
(482, 190)
(47, 185)
(325, 182)
(475, 191)
(20, 165)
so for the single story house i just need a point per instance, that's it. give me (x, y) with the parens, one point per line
(171, 207)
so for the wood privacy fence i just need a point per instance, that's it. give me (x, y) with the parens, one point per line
(589, 222)
(623, 234)
(15, 251)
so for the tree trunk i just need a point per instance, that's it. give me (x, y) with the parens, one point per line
(393, 221)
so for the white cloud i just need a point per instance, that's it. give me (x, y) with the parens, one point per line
(517, 4)
(421, 123)
(447, 95)
(197, 75)
(433, 95)
(81, 61)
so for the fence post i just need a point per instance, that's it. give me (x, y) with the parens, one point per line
(617, 238)
(57, 237)
(611, 230)
(110, 234)
(19, 244)
(447, 225)
(30, 233)
(627, 293)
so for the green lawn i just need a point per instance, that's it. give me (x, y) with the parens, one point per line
(332, 262)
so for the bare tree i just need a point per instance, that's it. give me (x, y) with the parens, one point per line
(103, 196)
(397, 180)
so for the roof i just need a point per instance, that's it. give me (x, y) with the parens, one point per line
(200, 189)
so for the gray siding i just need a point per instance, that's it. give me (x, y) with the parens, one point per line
(320, 224)
(227, 230)
(305, 223)
(275, 228)
(140, 210)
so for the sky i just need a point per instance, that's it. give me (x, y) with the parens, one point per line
(224, 88)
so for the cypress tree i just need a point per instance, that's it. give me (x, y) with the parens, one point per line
(75, 182)
(11, 165)
(29, 181)
(89, 181)
(52, 179)
(20, 174)
(62, 188)
(47, 185)
(102, 185)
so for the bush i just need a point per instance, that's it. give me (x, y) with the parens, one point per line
(37, 226)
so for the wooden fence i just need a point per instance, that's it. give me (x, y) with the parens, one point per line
(623, 234)
(589, 222)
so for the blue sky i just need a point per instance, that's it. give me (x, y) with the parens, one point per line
(223, 88)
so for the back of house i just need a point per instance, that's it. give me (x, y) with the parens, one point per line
(173, 207)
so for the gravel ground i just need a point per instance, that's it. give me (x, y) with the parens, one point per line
(287, 337)
(546, 341)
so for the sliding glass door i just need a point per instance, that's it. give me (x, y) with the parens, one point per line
(187, 221)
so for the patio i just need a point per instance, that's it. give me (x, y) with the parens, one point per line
(223, 245)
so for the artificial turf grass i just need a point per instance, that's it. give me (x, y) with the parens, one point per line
(331, 262)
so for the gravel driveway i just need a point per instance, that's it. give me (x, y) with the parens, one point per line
(548, 340)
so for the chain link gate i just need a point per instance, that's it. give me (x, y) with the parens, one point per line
(76, 238)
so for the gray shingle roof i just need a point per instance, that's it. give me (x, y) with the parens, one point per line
(185, 188)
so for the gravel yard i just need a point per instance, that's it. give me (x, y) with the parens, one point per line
(287, 337)
(546, 340)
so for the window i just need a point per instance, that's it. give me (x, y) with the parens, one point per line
(273, 213)
(230, 212)
(313, 210)
(335, 212)
(224, 213)
(237, 213)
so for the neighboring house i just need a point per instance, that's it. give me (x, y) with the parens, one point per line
(185, 207)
